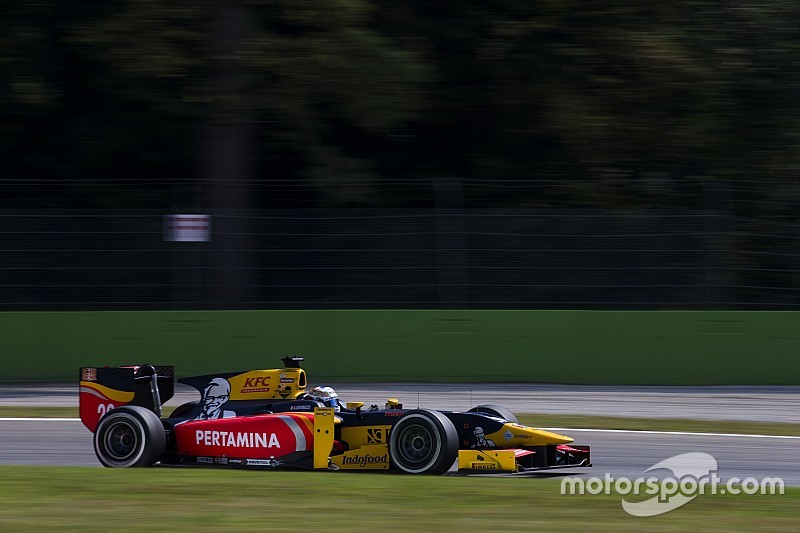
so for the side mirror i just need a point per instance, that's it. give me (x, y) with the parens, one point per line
(393, 403)
(357, 406)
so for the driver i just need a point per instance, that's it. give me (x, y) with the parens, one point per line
(326, 396)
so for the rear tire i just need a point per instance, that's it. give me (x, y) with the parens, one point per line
(495, 410)
(423, 442)
(129, 436)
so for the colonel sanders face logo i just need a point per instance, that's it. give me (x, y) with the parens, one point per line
(480, 439)
(215, 395)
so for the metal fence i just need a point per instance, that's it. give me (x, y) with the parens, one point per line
(397, 258)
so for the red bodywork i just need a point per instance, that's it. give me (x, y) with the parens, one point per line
(96, 400)
(258, 437)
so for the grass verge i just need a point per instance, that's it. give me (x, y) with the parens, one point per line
(47, 412)
(161, 499)
(38, 412)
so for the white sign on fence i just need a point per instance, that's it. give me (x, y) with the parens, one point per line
(187, 228)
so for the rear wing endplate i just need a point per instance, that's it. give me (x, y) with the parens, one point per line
(105, 388)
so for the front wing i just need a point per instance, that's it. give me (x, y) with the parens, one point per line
(523, 460)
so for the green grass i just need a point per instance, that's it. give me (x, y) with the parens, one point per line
(537, 420)
(38, 412)
(46, 412)
(164, 499)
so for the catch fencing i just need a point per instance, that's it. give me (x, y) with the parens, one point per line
(397, 258)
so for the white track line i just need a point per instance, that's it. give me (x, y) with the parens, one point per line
(568, 430)
(690, 433)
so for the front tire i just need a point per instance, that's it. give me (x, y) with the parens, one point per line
(423, 442)
(129, 436)
(496, 410)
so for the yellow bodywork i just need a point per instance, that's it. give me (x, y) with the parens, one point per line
(359, 436)
(324, 423)
(364, 456)
(487, 460)
(370, 457)
(516, 435)
(369, 445)
(284, 384)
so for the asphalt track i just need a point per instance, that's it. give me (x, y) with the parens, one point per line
(618, 453)
(765, 404)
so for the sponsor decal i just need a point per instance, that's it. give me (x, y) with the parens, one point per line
(259, 384)
(263, 462)
(304, 407)
(207, 460)
(249, 383)
(234, 461)
(483, 466)
(480, 439)
(376, 436)
(215, 396)
(221, 460)
(364, 460)
(284, 379)
(236, 439)
(394, 413)
(89, 374)
(508, 435)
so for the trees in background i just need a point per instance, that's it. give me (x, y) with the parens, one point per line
(589, 103)
(222, 93)
(227, 105)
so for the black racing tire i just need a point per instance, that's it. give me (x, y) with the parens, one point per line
(423, 442)
(129, 436)
(496, 410)
(184, 409)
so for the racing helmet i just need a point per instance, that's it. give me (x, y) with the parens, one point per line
(325, 395)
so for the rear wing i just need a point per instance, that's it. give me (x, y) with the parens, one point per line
(106, 388)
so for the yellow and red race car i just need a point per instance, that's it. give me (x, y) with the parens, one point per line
(267, 419)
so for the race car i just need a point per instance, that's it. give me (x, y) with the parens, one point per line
(267, 419)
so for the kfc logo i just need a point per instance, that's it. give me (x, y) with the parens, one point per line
(259, 384)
